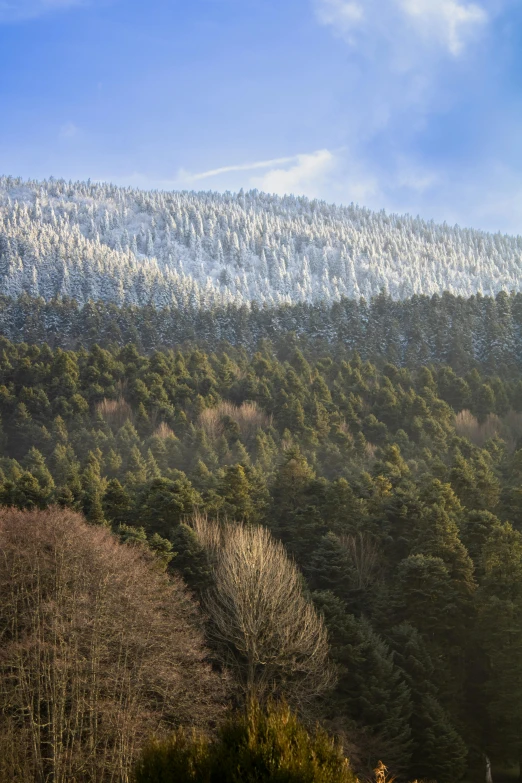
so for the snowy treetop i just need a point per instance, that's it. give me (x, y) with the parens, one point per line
(101, 242)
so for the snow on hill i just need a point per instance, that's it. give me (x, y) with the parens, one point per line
(97, 241)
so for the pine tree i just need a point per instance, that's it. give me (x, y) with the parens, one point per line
(190, 558)
(93, 487)
(437, 748)
(371, 690)
(117, 504)
(499, 602)
(163, 504)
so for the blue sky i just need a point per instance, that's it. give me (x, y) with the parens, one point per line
(407, 105)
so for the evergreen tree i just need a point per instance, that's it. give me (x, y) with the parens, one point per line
(437, 749)
(117, 504)
(371, 690)
(499, 602)
(163, 504)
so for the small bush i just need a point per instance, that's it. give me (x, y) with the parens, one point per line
(180, 759)
(256, 747)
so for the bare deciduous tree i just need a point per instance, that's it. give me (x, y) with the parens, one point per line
(364, 556)
(98, 648)
(260, 621)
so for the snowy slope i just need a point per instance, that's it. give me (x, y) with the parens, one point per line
(91, 241)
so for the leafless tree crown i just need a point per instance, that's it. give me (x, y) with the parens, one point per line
(260, 621)
(97, 649)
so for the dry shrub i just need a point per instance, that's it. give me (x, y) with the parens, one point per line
(382, 775)
(164, 431)
(467, 426)
(248, 417)
(114, 412)
(491, 427)
(210, 421)
(344, 427)
(99, 650)
(369, 450)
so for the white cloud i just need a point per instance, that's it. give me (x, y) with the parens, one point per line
(448, 24)
(448, 21)
(22, 10)
(306, 176)
(335, 176)
(340, 12)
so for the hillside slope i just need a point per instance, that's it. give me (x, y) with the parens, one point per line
(101, 242)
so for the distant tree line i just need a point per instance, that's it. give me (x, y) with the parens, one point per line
(482, 331)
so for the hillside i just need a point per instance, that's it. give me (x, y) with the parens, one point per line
(101, 242)
(396, 493)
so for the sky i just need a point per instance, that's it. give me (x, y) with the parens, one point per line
(405, 105)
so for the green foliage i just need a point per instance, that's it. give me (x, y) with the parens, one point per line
(393, 505)
(190, 559)
(499, 632)
(371, 689)
(438, 751)
(165, 503)
(257, 747)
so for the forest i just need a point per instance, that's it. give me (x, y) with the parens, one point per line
(481, 332)
(100, 242)
(152, 498)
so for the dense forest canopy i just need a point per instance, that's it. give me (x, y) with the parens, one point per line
(395, 490)
(482, 332)
(190, 250)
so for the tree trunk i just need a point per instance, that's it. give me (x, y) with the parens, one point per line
(489, 777)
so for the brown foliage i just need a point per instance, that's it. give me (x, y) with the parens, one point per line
(509, 428)
(248, 417)
(468, 426)
(99, 649)
(114, 412)
(513, 428)
(163, 431)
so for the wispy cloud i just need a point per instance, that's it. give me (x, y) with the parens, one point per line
(340, 176)
(447, 24)
(303, 173)
(187, 177)
(451, 23)
(306, 175)
(341, 13)
(22, 10)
